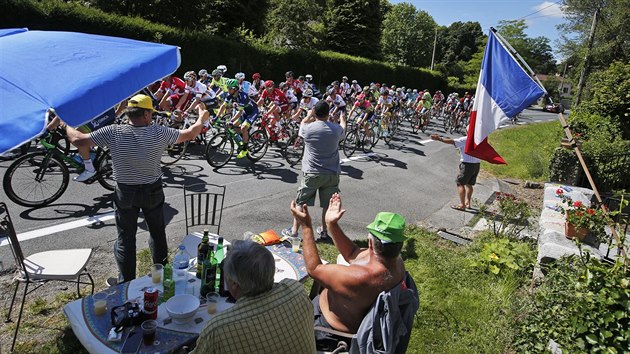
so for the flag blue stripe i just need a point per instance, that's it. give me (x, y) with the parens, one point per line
(506, 82)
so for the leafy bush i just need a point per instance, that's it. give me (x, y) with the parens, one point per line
(508, 215)
(202, 50)
(503, 255)
(610, 94)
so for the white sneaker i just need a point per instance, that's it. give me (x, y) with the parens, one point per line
(84, 176)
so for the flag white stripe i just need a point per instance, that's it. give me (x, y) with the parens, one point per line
(485, 105)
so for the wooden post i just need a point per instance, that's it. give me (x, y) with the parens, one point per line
(578, 152)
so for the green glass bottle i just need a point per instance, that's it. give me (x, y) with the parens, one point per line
(169, 286)
(202, 252)
(208, 274)
(219, 255)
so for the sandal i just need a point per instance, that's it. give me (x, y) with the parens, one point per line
(458, 207)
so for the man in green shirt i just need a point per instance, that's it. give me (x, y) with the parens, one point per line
(267, 317)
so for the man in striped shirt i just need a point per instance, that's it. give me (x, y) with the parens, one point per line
(136, 149)
(468, 171)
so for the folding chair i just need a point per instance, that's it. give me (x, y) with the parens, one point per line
(38, 269)
(203, 205)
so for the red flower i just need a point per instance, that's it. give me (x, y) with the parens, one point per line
(590, 211)
(559, 191)
(578, 204)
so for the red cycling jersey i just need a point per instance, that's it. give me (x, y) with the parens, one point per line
(296, 85)
(176, 85)
(278, 97)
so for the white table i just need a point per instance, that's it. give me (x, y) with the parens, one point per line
(135, 289)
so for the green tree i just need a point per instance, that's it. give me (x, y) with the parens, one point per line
(354, 27)
(293, 23)
(535, 51)
(407, 36)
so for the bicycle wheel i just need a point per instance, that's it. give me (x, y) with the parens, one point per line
(173, 153)
(105, 171)
(350, 143)
(374, 135)
(365, 141)
(36, 179)
(415, 124)
(219, 150)
(257, 145)
(294, 150)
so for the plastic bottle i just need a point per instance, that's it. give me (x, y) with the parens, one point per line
(180, 270)
(202, 252)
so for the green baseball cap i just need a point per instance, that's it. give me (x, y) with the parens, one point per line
(388, 227)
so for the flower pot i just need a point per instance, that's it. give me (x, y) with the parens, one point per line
(571, 232)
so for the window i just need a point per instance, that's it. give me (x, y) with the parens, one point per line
(565, 90)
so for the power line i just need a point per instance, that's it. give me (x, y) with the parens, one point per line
(539, 10)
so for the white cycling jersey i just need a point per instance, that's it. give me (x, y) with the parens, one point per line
(291, 96)
(309, 105)
(198, 90)
(338, 101)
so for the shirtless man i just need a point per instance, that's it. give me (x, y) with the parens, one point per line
(349, 291)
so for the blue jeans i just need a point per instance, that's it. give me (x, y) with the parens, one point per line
(128, 201)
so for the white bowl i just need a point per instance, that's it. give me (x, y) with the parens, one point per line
(182, 307)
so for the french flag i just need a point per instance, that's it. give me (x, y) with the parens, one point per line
(504, 89)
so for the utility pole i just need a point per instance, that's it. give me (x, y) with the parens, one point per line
(587, 58)
(434, 45)
(566, 65)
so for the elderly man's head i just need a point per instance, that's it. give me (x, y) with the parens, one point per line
(387, 234)
(249, 269)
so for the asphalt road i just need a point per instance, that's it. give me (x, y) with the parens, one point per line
(414, 176)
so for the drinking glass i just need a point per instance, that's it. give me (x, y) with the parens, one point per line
(211, 301)
(157, 272)
(149, 327)
(100, 303)
(295, 244)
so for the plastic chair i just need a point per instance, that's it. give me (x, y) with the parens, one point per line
(40, 268)
(203, 205)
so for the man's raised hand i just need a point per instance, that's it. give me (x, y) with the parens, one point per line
(300, 213)
(335, 211)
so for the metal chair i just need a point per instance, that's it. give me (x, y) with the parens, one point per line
(203, 205)
(63, 265)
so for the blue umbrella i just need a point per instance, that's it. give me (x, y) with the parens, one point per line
(78, 75)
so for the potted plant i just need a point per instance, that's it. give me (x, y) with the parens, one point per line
(580, 219)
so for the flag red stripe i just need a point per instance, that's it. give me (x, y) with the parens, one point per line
(482, 150)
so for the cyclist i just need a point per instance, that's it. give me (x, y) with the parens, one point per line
(256, 87)
(336, 103)
(355, 88)
(223, 69)
(385, 102)
(242, 83)
(218, 82)
(244, 117)
(104, 119)
(438, 98)
(295, 85)
(279, 105)
(306, 104)
(203, 77)
(363, 105)
(425, 107)
(316, 93)
(170, 92)
(344, 88)
(202, 96)
(288, 91)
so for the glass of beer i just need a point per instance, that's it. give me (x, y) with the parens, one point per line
(100, 303)
(149, 328)
(157, 271)
(211, 301)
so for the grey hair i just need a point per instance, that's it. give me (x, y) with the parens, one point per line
(251, 266)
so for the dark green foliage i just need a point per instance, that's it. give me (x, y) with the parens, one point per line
(354, 27)
(609, 94)
(293, 24)
(200, 50)
(563, 166)
(408, 36)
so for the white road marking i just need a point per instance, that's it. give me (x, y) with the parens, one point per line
(426, 141)
(537, 120)
(61, 227)
(358, 157)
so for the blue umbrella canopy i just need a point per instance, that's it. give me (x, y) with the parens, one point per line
(78, 75)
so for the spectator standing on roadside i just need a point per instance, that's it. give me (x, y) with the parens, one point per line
(320, 164)
(267, 317)
(468, 171)
(136, 149)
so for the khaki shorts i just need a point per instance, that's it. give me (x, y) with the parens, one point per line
(312, 183)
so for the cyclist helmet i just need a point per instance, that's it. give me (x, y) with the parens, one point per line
(354, 82)
(217, 72)
(399, 90)
(415, 90)
(223, 68)
(190, 75)
(384, 84)
(256, 76)
(335, 83)
(308, 93)
(231, 84)
(239, 76)
(408, 90)
(332, 91)
(288, 73)
(282, 85)
(386, 93)
(203, 72)
(301, 78)
(393, 87)
(269, 84)
(366, 88)
(344, 78)
(309, 77)
(391, 92)
(377, 84)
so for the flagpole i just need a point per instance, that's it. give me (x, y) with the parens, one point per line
(568, 133)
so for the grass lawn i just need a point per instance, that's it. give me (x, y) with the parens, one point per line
(462, 310)
(527, 150)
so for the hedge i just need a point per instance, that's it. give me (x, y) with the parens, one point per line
(201, 50)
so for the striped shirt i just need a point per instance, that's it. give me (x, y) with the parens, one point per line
(135, 151)
(460, 143)
(278, 321)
